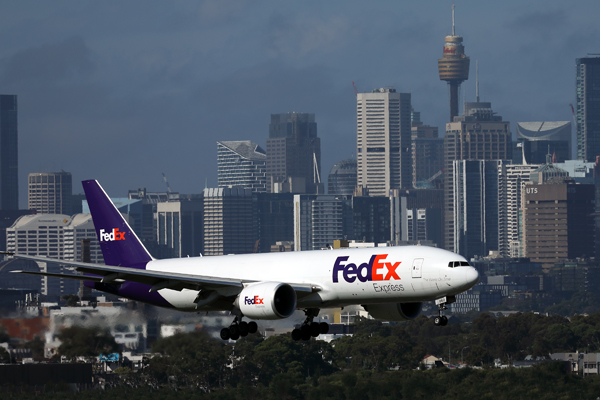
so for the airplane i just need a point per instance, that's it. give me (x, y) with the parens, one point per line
(391, 283)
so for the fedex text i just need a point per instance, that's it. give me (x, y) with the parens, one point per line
(374, 270)
(254, 300)
(111, 236)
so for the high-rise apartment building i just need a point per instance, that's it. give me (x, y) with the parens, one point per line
(241, 164)
(587, 97)
(9, 153)
(383, 141)
(539, 139)
(294, 150)
(50, 192)
(320, 219)
(477, 135)
(517, 175)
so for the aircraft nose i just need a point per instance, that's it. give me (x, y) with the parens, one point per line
(471, 276)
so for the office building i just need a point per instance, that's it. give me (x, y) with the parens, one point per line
(229, 226)
(180, 227)
(558, 221)
(274, 220)
(9, 153)
(50, 192)
(424, 225)
(477, 135)
(54, 236)
(294, 151)
(371, 219)
(427, 154)
(539, 139)
(587, 97)
(321, 219)
(342, 178)
(383, 141)
(478, 206)
(241, 164)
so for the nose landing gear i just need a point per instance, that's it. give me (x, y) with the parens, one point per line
(442, 320)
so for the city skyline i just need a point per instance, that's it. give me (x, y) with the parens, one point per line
(125, 96)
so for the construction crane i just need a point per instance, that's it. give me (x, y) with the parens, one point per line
(355, 90)
(167, 183)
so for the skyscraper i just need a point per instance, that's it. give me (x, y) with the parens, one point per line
(478, 135)
(588, 108)
(427, 153)
(383, 141)
(241, 163)
(50, 192)
(342, 177)
(9, 153)
(542, 138)
(294, 150)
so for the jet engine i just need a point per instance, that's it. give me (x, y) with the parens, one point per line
(394, 311)
(267, 300)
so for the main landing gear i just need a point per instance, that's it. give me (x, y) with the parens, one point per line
(309, 328)
(238, 328)
(442, 320)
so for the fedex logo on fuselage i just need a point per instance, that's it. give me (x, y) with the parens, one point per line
(111, 236)
(254, 300)
(375, 270)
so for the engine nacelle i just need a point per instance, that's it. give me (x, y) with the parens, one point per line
(267, 300)
(394, 311)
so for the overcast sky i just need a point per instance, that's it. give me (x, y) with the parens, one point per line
(122, 91)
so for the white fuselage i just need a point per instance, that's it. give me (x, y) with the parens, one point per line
(342, 277)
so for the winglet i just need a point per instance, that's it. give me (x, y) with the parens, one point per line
(119, 243)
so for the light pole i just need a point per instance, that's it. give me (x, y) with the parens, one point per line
(461, 353)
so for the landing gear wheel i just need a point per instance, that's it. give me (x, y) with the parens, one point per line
(315, 329)
(305, 335)
(234, 332)
(437, 321)
(225, 335)
(252, 327)
(243, 327)
(296, 334)
(444, 320)
(324, 326)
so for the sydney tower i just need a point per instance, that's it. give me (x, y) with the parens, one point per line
(454, 67)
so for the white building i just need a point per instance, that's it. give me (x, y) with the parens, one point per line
(383, 141)
(516, 177)
(55, 236)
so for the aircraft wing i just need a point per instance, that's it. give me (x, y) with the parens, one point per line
(156, 279)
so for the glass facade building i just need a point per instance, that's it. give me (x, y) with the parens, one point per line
(9, 153)
(588, 108)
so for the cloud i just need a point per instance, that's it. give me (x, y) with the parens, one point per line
(49, 63)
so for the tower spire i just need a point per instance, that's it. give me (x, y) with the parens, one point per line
(453, 33)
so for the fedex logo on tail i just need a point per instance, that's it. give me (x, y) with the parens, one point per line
(111, 236)
(375, 270)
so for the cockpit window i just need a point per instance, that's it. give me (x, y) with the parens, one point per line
(454, 264)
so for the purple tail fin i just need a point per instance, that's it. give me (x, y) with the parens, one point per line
(119, 243)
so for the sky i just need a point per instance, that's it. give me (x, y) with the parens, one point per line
(124, 91)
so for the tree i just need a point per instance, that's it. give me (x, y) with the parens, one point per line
(87, 342)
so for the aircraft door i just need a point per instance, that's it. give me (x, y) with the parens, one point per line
(416, 267)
